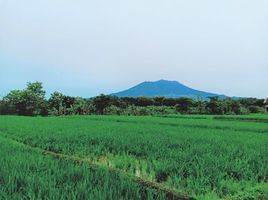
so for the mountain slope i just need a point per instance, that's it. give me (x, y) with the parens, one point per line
(172, 89)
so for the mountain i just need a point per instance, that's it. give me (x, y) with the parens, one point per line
(165, 88)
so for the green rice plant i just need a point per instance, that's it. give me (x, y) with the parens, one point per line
(26, 174)
(202, 156)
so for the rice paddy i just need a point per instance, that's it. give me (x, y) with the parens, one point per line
(120, 157)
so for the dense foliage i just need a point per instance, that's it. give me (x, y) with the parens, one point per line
(31, 101)
(206, 157)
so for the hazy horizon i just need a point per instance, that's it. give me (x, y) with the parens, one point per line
(86, 48)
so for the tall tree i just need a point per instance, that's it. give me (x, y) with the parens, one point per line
(30, 101)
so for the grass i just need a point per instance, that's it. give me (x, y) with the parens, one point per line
(205, 157)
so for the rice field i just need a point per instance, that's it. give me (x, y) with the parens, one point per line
(123, 157)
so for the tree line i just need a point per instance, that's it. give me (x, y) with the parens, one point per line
(31, 101)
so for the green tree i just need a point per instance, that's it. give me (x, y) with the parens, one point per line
(3, 107)
(60, 104)
(235, 107)
(200, 105)
(79, 106)
(37, 89)
(183, 105)
(215, 106)
(30, 101)
(101, 102)
(55, 103)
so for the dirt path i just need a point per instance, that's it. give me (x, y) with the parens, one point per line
(170, 194)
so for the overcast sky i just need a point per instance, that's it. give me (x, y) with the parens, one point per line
(84, 48)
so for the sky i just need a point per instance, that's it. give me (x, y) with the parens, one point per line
(84, 48)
